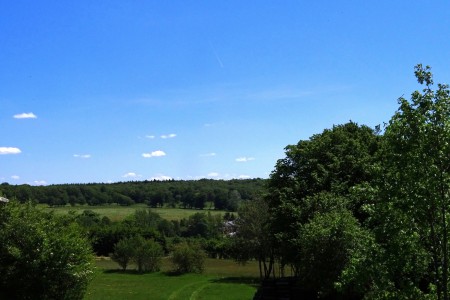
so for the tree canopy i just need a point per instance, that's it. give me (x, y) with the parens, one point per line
(42, 256)
(358, 212)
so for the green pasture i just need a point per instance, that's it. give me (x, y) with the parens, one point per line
(222, 279)
(117, 213)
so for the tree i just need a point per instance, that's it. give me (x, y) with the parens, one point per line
(330, 245)
(123, 252)
(42, 256)
(146, 254)
(323, 174)
(415, 189)
(252, 239)
(188, 258)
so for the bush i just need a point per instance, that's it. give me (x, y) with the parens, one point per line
(123, 253)
(188, 258)
(146, 254)
(42, 256)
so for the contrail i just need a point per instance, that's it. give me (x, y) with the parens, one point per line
(216, 55)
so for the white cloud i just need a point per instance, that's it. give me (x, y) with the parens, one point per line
(168, 136)
(15, 177)
(131, 175)
(244, 159)
(154, 154)
(208, 154)
(82, 155)
(244, 177)
(9, 150)
(150, 136)
(29, 115)
(213, 174)
(160, 178)
(40, 182)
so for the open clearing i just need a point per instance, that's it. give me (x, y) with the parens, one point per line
(118, 213)
(222, 279)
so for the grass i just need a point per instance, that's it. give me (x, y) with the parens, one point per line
(222, 279)
(118, 213)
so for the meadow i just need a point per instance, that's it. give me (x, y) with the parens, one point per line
(221, 279)
(117, 213)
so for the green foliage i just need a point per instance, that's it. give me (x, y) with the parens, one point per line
(415, 186)
(188, 258)
(146, 254)
(330, 245)
(317, 197)
(41, 256)
(252, 239)
(123, 252)
(226, 195)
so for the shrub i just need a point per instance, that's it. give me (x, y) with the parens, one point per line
(188, 258)
(42, 256)
(146, 254)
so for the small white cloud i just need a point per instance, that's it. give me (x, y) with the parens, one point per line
(244, 177)
(131, 175)
(29, 115)
(208, 154)
(9, 150)
(82, 155)
(213, 174)
(150, 136)
(168, 136)
(15, 177)
(160, 178)
(156, 153)
(40, 182)
(244, 159)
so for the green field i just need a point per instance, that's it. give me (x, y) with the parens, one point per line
(222, 279)
(117, 213)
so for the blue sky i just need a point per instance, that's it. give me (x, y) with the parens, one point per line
(105, 91)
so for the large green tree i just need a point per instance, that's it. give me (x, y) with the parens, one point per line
(328, 172)
(42, 256)
(414, 208)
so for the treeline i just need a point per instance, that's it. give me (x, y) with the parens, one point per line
(221, 194)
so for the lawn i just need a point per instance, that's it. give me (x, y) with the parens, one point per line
(222, 279)
(117, 213)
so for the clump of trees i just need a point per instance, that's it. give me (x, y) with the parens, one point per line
(356, 212)
(42, 256)
(145, 254)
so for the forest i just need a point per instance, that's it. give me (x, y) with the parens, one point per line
(221, 194)
(352, 212)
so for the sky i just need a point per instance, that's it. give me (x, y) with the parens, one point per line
(108, 91)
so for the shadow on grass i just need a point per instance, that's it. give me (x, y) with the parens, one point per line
(253, 281)
(173, 273)
(120, 271)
